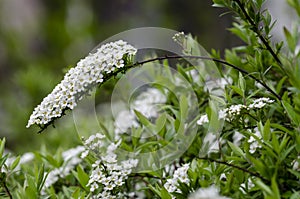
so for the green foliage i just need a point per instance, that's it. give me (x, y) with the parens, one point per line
(244, 133)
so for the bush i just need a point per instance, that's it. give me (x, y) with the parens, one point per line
(198, 127)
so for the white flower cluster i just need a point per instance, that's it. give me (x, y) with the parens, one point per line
(78, 81)
(107, 173)
(253, 141)
(207, 193)
(178, 37)
(71, 159)
(146, 103)
(235, 110)
(260, 103)
(180, 175)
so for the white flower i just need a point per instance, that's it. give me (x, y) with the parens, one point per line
(179, 37)
(78, 81)
(260, 103)
(94, 186)
(253, 142)
(171, 185)
(235, 110)
(207, 193)
(203, 119)
(107, 172)
(181, 175)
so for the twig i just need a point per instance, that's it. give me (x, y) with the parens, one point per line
(3, 184)
(261, 37)
(211, 59)
(233, 166)
(167, 57)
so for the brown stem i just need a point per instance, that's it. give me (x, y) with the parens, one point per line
(167, 57)
(233, 166)
(256, 30)
(211, 59)
(7, 190)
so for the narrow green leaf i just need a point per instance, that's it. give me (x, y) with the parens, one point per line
(258, 165)
(15, 163)
(290, 40)
(183, 107)
(76, 193)
(165, 194)
(40, 179)
(2, 145)
(275, 189)
(142, 119)
(82, 177)
(263, 187)
(155, 190)
(237, 90)
(242, 83)
(291, 113)
(236, 149)
(280, 83)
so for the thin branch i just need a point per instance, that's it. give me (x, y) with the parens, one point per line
(211, 59)
(234, 166)
(256, 30)
(7, 190)
(168, 57)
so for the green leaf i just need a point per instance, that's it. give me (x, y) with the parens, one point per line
(291, 113)
(258, 165)
(160, 124)
(136, 135)
(30, 190)
(280, 83)
(82, 177)
(3, 160)
(15, 163)
(290, 40)
(183, 107)
(242, 83)
(165, 194)
(266, 131)
(295, 173)
(236, 149)
(237, 90)
(295, 195)
(263, 187)
(2, 145)
(40, 179)
(155, 190)
(274, 186)
(76, 193)
(283, 142)
(143, 119)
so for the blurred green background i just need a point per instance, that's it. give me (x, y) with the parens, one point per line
(39, 39)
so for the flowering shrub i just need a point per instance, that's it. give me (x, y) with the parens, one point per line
(238, 139)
